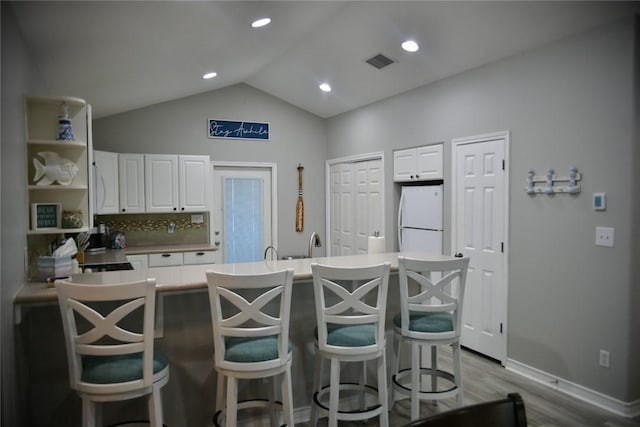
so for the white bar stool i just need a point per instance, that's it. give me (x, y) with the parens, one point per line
(250, 315)
(350, 312)
(431, 296)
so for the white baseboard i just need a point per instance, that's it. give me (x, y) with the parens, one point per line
(618, 407)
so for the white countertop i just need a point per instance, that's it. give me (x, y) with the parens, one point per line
(188, 277)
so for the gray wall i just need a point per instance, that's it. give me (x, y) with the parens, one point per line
(19, 78)
(568, 103)
(180, 127)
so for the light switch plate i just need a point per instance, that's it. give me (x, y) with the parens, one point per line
(197, 219)
(605, 236)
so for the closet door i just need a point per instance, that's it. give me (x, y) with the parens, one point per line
(356, 205)
(368, 191)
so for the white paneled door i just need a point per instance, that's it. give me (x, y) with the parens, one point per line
(356, 203)
(479, 232)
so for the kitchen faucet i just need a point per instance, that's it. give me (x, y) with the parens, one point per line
(273, 248)
(314, 240)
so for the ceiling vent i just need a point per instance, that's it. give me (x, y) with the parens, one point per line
(379, 61)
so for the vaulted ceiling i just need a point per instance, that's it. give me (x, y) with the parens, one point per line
(129, 54)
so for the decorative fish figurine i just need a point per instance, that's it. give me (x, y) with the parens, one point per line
(55, 168)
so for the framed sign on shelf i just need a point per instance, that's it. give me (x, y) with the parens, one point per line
(45, 216)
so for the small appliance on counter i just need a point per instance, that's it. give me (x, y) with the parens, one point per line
(98, 239)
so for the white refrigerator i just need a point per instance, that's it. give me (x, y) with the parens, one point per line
(420, 219)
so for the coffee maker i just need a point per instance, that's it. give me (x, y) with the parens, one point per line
(98, 239)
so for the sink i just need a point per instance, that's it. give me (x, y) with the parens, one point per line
(288, 257)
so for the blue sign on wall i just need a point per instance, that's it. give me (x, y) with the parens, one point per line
(227, 129)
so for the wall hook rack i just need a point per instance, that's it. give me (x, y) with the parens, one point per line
(552, 183)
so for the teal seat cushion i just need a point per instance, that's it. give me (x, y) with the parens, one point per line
(248, 350)
(350, 335)
(118, 369)
(427, 322)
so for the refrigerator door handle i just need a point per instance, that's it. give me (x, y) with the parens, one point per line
(400, 221)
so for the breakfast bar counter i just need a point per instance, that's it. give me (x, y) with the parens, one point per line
(188, 277)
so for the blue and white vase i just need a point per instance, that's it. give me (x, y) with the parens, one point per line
(65, 133)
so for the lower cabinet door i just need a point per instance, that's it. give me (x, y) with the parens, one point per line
(165, 259)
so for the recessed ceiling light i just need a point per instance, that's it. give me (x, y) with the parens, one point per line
(210, 75)
(410, 46)
(258, 23)
(325, 87)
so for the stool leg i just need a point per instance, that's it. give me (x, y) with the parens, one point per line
(316, 388)
(272, 400)
(363, 382)
(334, 390)
(457, 371)
(415, 381)
(434, 368)
(220, 392)
(287, 398)
(90, 413)
(155, 407)
(397, 340)
(383, 398)
(232, 402)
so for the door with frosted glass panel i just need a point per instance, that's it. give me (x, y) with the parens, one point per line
(242, 213)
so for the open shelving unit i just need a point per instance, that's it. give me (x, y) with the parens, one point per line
(41, 121)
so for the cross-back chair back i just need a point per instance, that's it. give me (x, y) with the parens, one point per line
(350, 297)
(439, 288)
(109, 336)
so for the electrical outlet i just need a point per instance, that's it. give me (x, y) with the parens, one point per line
(604, 358)
(604, 236)
(197, 219)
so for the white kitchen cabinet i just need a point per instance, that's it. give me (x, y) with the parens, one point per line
(131, 183)
(161, 183)
(138, 262)
(201, 257)
(177, 183)
(166, 259)
(173, 259)
(418, 164)
(194, 183)
(105, 182)
(47, 198)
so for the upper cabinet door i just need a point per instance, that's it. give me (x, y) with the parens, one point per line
(194, 183)
(418, 164)
(429, 162)
(404, 165)
(161, 182)
(106, 194)
(131, 182)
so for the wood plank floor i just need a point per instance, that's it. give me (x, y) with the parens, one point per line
(486, 380)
